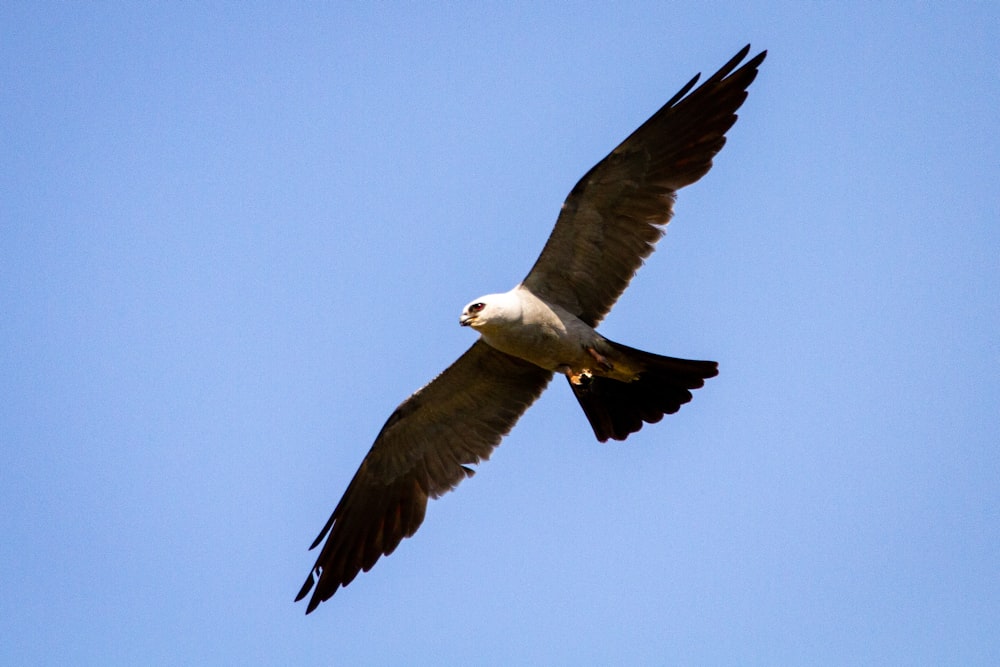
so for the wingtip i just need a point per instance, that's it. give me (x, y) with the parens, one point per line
(306, 587)
(753, 62)
(313, 601)
(683, 91)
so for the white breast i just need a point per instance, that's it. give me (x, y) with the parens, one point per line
(544, 334)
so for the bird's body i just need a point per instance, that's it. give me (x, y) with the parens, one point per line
(609, 223)
(525, 326)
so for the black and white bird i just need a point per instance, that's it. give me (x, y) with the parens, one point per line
(609, 223)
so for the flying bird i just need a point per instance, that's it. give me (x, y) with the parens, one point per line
(608, 225)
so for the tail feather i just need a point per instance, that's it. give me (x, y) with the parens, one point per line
(617, 409)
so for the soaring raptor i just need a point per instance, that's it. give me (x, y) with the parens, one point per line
(545, 325)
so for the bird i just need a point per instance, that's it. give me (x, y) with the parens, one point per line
(607, 226)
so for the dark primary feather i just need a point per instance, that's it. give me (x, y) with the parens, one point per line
(616, 212)
(421, 452)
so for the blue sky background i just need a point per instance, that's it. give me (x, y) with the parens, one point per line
(234, 236)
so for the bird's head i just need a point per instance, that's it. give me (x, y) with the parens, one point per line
(490, 311)
(471, 314)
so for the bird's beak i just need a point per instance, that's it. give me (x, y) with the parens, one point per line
(465, 320)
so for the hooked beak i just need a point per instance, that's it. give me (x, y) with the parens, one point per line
(466, 320)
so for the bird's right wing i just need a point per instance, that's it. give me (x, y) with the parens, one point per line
(421, 452)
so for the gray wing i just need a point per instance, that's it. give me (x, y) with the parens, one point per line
(616, 213)
(421, 452)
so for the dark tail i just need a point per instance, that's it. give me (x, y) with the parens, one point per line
(616, 409)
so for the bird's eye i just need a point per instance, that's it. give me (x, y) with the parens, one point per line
(476, 307)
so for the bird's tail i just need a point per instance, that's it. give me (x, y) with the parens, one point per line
(616, 409)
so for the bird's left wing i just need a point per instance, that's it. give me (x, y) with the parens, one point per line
(421, 452)
(616, 212)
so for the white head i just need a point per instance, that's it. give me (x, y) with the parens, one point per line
(492, 311)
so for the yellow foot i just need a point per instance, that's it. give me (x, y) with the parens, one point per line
(583, 377)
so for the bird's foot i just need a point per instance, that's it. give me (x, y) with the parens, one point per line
(582, 378)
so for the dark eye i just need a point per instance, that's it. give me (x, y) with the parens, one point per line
(476, 307)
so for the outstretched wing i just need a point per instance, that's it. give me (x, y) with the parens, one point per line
(616, 213)
(421, 452)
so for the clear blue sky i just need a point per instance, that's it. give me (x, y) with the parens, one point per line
(233, 237)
